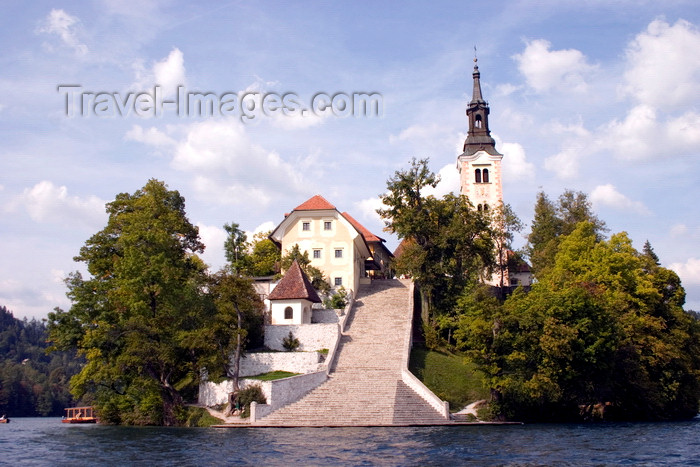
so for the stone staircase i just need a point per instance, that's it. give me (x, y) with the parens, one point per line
(365, 386)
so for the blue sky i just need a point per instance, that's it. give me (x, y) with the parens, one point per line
(597, 96)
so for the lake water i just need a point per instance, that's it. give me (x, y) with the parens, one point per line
(42, 441)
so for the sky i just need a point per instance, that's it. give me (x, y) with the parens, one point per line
(595, 96)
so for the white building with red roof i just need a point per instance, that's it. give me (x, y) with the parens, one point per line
(337, 244)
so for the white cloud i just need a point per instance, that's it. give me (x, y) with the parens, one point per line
(267, 226)
(546, 70)
(565, 163)
(679, 230)
(151, 136)
(366, 209)
(168, 73)
(689, 271)
(46, 202)
(213, 238)
(515, 164)
(449, 182)
(419, 132)
(641, 135)
(66, 27)
(607, 195)
(663, 64)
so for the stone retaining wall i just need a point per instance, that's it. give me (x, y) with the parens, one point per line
(285, 391)
(311, 336)
(295, 362)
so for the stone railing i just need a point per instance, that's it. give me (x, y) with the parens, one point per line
(284, 392)
(342, 319)
(442, 407)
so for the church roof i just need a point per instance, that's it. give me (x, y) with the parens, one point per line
(315, 203)
(369, 236)
(294, 285)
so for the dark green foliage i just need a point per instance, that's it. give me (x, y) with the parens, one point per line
(447, 244)
(603, 327)
(265, 257)
(250, 394)
(338, 300)
(132, 316)
(32, 382)
(290, 343)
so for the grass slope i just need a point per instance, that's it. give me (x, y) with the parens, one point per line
(449, 376)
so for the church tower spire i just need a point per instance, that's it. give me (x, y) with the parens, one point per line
(480, 164)
(479, 136)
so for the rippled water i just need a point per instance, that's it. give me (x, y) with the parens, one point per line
(36, 441)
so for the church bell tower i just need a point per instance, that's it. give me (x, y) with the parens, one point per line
(480, 164)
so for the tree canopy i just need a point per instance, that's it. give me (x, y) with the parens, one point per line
(131, 316)
(603, 328)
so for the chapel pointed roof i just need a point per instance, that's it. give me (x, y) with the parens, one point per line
(294, 285)
(315, 203)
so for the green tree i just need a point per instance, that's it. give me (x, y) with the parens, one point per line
(505, 224)
(131, 316)
(237, 320)
(554, 221)
(447, 243)
(236, 248)
(265, 256)
(600, 327)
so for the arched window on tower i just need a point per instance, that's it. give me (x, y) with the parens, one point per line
(477, 175)
(486, 208)
(478, 208)
(477, 121)
(486, 176)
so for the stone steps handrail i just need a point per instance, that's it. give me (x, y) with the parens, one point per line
(442, 407)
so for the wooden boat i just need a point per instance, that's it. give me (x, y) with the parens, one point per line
(4, 420)
(79, 415)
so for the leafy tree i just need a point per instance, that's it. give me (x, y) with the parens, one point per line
(32, 382)
(236, 248)
(447, 243)
(601, 326)
(237, 320)
(554, 221)
(131, 316)
(505, 223)
(265, 256)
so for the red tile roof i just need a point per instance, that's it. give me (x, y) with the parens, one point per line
(315, 203)
(368, 236)
(294, 285)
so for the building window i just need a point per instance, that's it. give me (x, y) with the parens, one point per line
(486, 208)
(478, 208)
(486, 175)
(477, 175)
(327, 225)
(477, 122)
(339, 253)
(317, 254)
(338, 281)
(306, 226)
(288, 313)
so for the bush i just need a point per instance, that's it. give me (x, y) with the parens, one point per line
(290, 343)
(248, 395)
(338, 300)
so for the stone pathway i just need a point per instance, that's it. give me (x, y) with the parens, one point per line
(365, 387)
